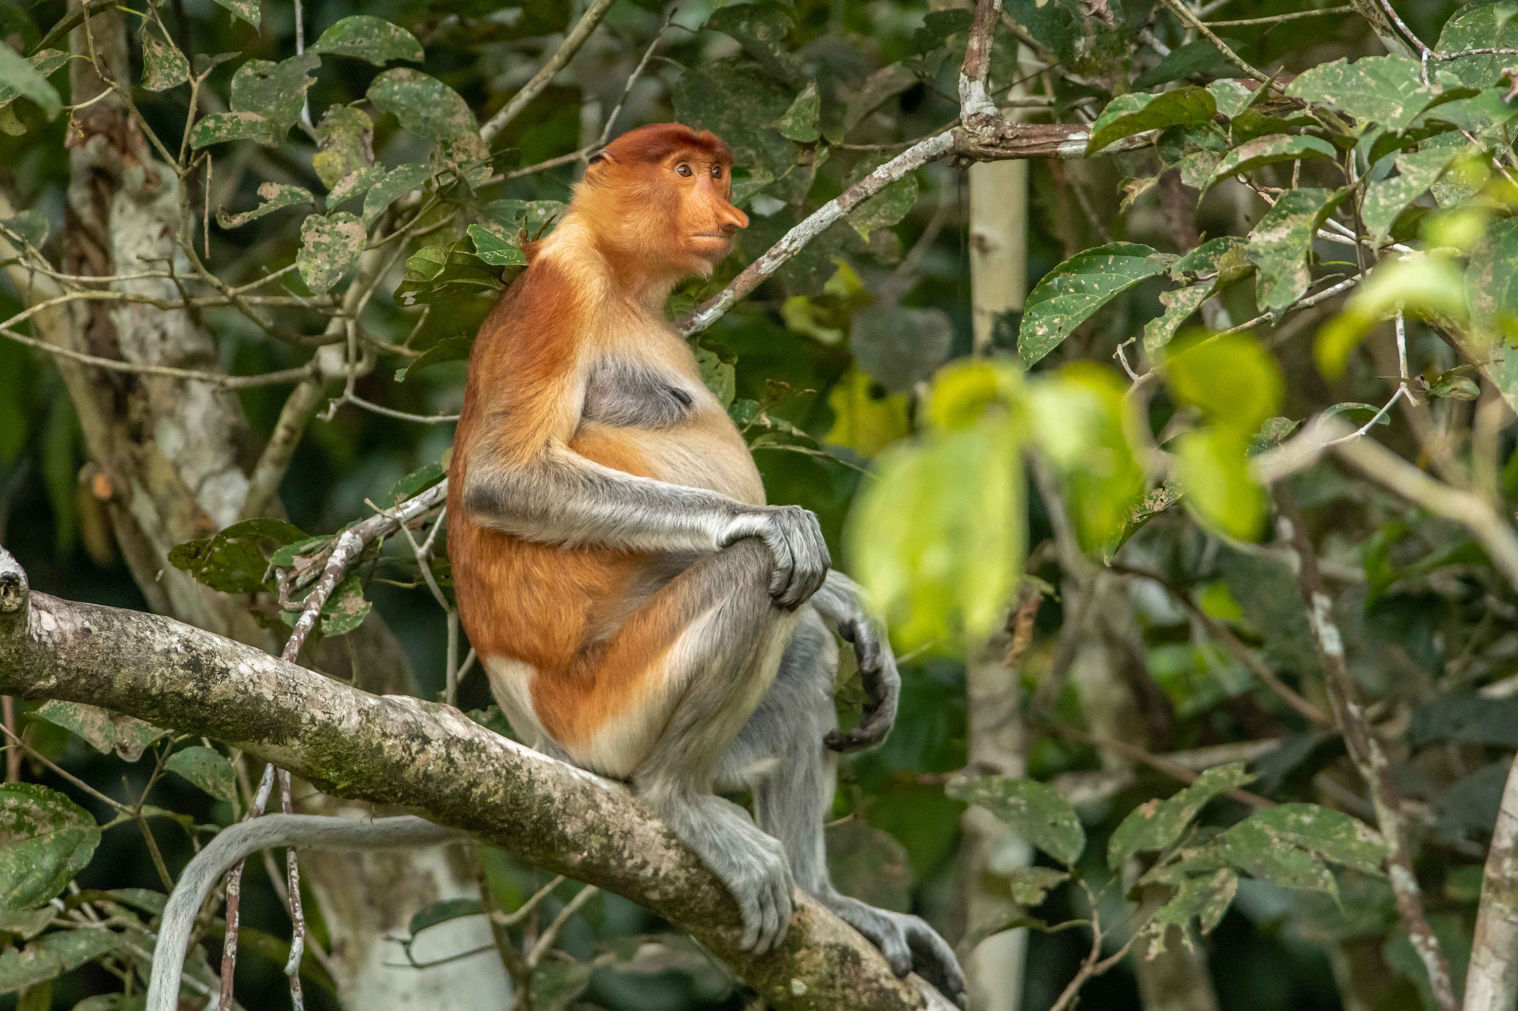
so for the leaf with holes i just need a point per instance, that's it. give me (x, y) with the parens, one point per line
(45, 839)
(329, 245)
(424, 105)
(1037, 812)
(276, 196)
(354, 184)
(1280, 243)
(1072, 292)
(369, 38)
(163, 65)
(1179, 304)
(117, 734)
(207, 768)
(1156, 824)
(275, 91)
(1204, 898)
(1031, 885)
(1389, 197)
(26, 78)
(1332, 835)
(1134, 113)
(885, 208)
(232, 560)
(763, 32)
(1268, 150)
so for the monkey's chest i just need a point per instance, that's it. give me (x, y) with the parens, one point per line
(665, 424)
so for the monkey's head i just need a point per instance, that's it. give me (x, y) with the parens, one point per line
(658, 200)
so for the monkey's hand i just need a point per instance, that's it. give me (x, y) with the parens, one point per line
(795, 542)
(841, 604)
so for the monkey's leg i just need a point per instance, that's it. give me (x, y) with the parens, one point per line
(718, 635)
(780, 754)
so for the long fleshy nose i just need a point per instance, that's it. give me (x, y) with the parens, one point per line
(730, 218)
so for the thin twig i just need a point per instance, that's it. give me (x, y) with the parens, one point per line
(566, 51)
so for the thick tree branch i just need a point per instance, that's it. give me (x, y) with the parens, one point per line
(430, 759)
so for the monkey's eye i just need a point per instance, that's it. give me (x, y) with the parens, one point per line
(716, 171)
(684, 169)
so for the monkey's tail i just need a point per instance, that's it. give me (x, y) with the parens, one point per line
(303, 831)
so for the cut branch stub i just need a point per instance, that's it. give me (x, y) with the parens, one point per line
(13, 589)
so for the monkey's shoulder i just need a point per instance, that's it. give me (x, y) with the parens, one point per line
(626, 394)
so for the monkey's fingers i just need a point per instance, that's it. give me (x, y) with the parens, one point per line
(935, 962)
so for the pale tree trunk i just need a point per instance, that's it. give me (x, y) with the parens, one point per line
(169, 458)
(995, 732)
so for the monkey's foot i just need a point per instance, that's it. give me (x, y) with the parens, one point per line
(750, 863)
(907, 942)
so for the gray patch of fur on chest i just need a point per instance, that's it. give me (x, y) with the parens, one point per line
(623, 395)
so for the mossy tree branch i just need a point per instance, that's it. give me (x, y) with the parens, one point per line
(431, 760)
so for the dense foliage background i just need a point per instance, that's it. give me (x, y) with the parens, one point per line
(1224, 508)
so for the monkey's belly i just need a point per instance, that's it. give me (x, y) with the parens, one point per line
(704, 451)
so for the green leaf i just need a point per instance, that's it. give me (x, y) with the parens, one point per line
(799, 122)
(1280, 243)
(354, 184)
(1081, 419)
(415, 482)
(939, 539)
(52, 955)
(346, 609)
(1031, 885)
(397, 183)
(764, 33)
(1479, 26)
(1231, 378)
(1204, 898)
(1156, 824)
(1261, 854)
(1332, 835)
(1233, 96)
(533, 215)
(1491, 280)
(232, 560)
(276, 196)
(45, 839)
(345, 144)
(496, 245)
(900, 346)
(207, 769)
(1389, 197)
(218, 127)
(1179, 304)
(737, 103)
(885, 208)
(718, 374)
(124, 736)
(449, 349)
(424, 105)
(1381, 89)
(27, 78)
(1213, 468)
(245, 9)
(1035, 811)
(329, 245)
(1222, 258)
(1268, 150)
(31, 226)
(275, 91)
(364, 37)
(163, 65)
(1073, 291)
(1134, 113)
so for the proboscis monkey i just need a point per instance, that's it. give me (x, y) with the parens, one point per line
(638, 607)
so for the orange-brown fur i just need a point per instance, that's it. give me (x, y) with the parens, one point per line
(588, 619)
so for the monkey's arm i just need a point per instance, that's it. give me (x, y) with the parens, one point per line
(561, 497)
(841, 604)
(301, 830)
